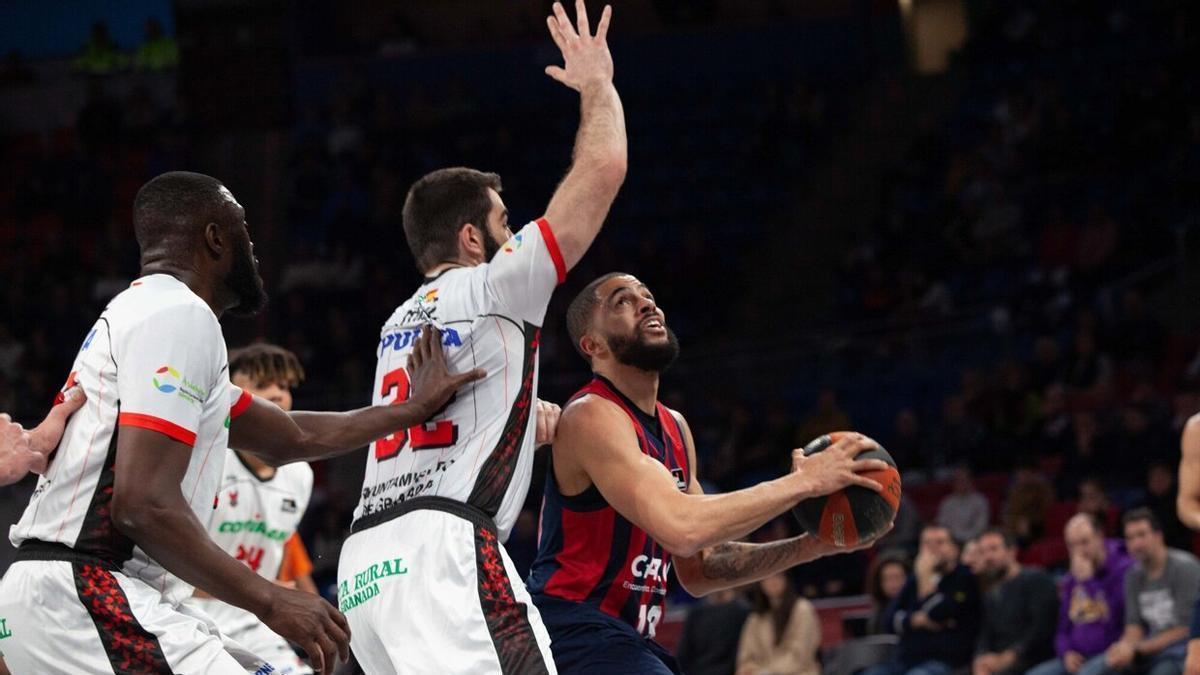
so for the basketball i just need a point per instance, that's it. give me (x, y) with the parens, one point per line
(855, 513)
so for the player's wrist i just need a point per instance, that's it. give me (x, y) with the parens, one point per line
(261, 597)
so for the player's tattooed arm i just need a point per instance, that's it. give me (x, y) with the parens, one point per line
(736, 563)
(280, 437)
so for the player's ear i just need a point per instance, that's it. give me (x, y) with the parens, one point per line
(470, 241)
(214, 241)
(591, 345)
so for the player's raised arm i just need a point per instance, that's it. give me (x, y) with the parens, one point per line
(594, 435)
(581, 202)
(281, 437)
(1188, 501)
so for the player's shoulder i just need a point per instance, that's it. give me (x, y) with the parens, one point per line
(590, 413)
(1192, 426)
(167, 303)
(454, 294)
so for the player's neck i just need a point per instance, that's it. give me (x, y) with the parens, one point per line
(451, 264)
(639, 386)
(258, 467)
(188, 277)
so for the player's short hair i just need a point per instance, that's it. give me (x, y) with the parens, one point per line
(581, 309)
(173, 204)
(438, 205)
(266, 364)
(1141, 515)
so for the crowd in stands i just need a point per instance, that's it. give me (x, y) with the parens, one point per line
(1043, 436)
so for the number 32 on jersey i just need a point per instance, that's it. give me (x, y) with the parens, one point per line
(429, 436)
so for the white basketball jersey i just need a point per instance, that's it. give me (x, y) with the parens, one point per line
(154, 359)
(479, 448)
(254, 518)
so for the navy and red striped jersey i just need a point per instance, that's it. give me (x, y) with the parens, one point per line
(589, 553)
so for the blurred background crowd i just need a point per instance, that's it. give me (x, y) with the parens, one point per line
(978, 253)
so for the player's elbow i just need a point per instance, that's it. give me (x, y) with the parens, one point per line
(692, 580)
(605, 169)
(684, 538)
(136, 512)
(611, 169)
(1186, 507)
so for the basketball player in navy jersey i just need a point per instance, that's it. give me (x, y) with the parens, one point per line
(622, 507)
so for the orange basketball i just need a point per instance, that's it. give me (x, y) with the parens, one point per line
(852, 514)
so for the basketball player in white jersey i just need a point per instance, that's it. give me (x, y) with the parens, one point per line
(259, 506)
(114, 537)
(423, 579)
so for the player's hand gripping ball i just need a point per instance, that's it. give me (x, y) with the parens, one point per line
(853, 514)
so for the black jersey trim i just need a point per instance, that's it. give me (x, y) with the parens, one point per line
(443, 504)
(131, 649)
(97, 535)
(497, 471)
(507, 618)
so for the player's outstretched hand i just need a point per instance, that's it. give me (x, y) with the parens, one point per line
(836, 467)
(311, 622)
(547, 422)
(22, 451)
(431, 381)
(586, 59)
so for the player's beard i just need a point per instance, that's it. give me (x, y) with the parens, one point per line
(490, 246)
(245, 282)
(636, 351)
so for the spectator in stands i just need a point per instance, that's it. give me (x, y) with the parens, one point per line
(1092, 605)
(906, 529)
(937, 612)
(1160, 593)
(886, 578)
(958, 436)
(1019, 609)
(1025, 510)
(708, 644)
(827, 417)
(100, 55)
(972, 557)
(965, 510)
(1161, 496)
(1093, 499)
(782, 634)
(905, 445)
(159, 52)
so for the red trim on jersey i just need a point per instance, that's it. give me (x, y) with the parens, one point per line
(241, 406)
(578, 569)
(560, 266)
(169, 429)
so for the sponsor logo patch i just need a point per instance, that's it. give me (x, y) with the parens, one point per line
(366, 583)
(168, 380)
